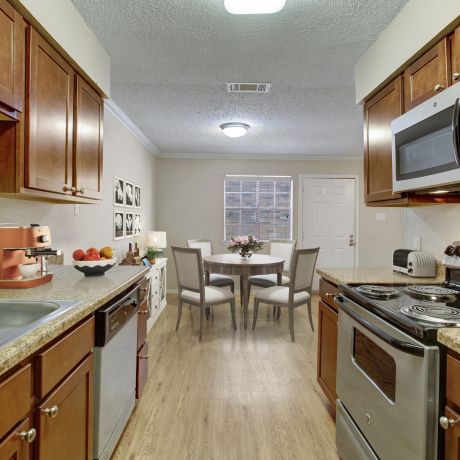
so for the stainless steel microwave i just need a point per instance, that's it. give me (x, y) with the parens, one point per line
(425, 145)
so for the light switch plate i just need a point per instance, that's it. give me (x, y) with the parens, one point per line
(381, 216)
(76, 210)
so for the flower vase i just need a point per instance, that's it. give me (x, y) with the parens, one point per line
(245, 254)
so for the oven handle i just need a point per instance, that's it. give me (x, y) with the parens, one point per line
(455, 131)
(395, 343)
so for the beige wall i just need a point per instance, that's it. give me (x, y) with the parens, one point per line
(419, 22)
(65, 25)
(124, 156)
(189, 203)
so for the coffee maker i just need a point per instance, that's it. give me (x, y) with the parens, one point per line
(20, 245)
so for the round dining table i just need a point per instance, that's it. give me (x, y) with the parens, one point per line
(234, 264)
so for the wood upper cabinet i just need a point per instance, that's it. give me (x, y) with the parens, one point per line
(49, 128)
(455, 55)
(12, 48)
(428, 75)
(65, 419)
(88, 140)
(379, 111)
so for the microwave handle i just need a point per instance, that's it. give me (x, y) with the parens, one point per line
(455, 131)
(394, 342)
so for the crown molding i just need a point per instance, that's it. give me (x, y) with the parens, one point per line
(121, 116)
(239, 156)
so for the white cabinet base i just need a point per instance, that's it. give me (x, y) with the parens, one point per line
(157, 301)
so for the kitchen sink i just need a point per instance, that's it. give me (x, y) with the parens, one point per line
(19, 317)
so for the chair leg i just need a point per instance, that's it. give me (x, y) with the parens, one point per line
(208, 313)
(278, 312)
(310, 315)
(232, 307)
(275, 311)
(232, 288)
(291, 322)
(201, 321)
(256, 311)
(179, 315)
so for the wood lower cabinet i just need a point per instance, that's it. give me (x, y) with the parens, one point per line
(455, 56)
(427, 76)
(379, 112)
(88, 141)
(452, 435)
(450, 420)
(16, 446)
(49, 133)
(12, 48)
(64, 419)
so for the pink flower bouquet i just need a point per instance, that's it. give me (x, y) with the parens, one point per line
(245, 245)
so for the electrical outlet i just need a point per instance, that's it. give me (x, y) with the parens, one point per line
(76, 210)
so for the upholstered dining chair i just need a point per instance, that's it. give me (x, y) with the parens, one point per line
(191, 287)
(297, 293)
(206, 250)
(279, 248)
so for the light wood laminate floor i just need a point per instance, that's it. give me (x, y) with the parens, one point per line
(236, 395)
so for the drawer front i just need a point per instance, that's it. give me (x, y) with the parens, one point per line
(327, 292)
(453, 380)
(13, 447)
(15, 394)
(142, 318)
(144, 289)
(57, 361)
(142, 369)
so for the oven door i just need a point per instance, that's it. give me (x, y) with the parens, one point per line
(425, 144)
(388, 384)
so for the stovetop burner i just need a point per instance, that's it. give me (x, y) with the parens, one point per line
(436, 293)
(433, 313)
(378, 292)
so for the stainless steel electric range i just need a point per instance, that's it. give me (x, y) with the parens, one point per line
(389, 368)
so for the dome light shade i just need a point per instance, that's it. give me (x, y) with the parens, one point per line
(234, 129)
(254, 6)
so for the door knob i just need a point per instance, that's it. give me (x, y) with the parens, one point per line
(28, 436)
(351, 241)
(51, 412)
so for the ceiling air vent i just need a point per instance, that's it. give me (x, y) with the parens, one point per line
(248, 87)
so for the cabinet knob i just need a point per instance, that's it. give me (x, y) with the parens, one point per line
(143, 312)
(69, 189)
(51, 411)
(329, 295)
(28, 436)
(456, 76)
(447, 423)
(438, 88)
(80, 190)
(143, 356)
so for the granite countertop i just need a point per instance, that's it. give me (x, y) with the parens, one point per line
(67, 284)
(450, 337)
(375, 276)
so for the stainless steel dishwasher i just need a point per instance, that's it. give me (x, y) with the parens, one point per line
(115, 370)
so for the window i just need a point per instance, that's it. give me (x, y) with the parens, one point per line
(258, 205)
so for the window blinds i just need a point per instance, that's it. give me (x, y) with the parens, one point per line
(258, 205)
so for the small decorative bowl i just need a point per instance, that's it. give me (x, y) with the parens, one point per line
(28, 270)
(94, 267)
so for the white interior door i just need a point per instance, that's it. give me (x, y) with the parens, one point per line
(328, 220)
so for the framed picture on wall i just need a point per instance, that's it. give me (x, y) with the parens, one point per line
(137, 196)
(129, 194)
(118, 225)
(129, 224)
(137, 224)
(118, 191)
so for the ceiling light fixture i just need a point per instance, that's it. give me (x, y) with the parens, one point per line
(234, 129)
(254, 6)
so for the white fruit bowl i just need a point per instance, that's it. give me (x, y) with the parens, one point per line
(94, 267)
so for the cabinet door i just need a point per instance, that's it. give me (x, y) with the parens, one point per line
(427, 76)
(12, 47)
(142, 318)
(88, 141)
(16, 446)
(455, 55)
(327, 351)
(65, 418)
(50, 118)
(379, 112)
(452, 436)
(142, 369)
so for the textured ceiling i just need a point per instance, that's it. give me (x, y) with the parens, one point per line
(172, 58)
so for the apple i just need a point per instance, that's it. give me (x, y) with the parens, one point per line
(92, 250)
(92, 256)
(78, 254)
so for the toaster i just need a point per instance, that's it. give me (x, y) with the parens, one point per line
(414, 263)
